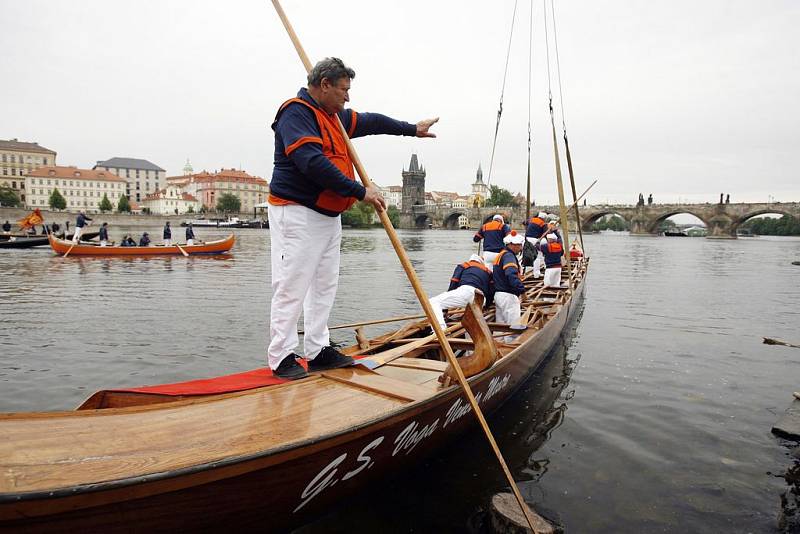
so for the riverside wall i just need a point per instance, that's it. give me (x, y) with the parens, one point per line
(113, 219)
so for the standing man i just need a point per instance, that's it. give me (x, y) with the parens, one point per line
(508, 284)
(189, 234)
(552, 250)
(313, 182)
(492, 234)
(469, 277)
(533, 232)
(167, 235)
(80, 223)
(104, 235)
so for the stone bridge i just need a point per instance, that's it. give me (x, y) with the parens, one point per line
(721, 220)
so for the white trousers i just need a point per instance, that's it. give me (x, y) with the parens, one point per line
(77, 235)
(167, 242)
(552, 277)
(457, 298)
(507, 310)
(103, 243)
(538, 261)
(305, 275)
(190, 242)
(488, 258)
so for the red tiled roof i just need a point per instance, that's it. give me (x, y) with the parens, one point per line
(75, 173)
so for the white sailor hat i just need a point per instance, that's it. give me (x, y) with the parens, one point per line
(551, 237)
(498, 217)
(514, 239)
(475, 257)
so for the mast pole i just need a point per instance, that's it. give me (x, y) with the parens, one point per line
(420, 292)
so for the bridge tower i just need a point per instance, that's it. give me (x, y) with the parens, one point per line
(413, 206)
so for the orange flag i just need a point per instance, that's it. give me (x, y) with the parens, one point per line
(34, 218)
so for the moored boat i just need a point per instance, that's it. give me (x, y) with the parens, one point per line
(61, 247)
(28, 241)
(236, 451)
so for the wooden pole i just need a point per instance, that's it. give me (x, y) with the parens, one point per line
(412, 277)
(562, 206)
(574, 198)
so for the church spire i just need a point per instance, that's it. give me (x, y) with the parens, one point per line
(479, 175)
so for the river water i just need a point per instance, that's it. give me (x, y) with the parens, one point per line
(654, 415)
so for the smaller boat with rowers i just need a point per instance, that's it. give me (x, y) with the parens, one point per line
(63, 247)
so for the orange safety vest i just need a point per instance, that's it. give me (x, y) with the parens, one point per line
(537, 221)
(334, 148)
(478, 264)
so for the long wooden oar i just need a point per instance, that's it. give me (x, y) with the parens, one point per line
(182, 251)
(412, 277)
(69, 249)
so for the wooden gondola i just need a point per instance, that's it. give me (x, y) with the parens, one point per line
(29, 240)
(209, 457)
(61, 247)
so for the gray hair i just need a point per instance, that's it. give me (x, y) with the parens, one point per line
(332, 68)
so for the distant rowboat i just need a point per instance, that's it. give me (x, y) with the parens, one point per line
(61, 247)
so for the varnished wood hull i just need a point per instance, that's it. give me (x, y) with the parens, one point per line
(61, 247)
(278, 489)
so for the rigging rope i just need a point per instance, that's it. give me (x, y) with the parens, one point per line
(564, 126)
(530, 62)
(502, 92)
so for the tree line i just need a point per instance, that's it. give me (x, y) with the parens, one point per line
(786, 225)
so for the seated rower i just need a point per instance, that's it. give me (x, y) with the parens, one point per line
(6, 227)
(575, 253)
(127, 241)
(145, 240)
(508, 284)
(469, 277)
(552, 250)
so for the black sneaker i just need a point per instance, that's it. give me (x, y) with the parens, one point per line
(290, 369)
(329, 358)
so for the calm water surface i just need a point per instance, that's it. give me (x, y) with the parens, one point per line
(654, 415)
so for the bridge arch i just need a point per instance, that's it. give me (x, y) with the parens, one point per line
(654, 224)
(450, 220)
(422, 221)
(765, 211)
(589, 220)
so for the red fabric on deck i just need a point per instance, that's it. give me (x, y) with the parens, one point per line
(222, 384)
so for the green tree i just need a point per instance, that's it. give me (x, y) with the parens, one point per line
(190, 209)
(56, 201)
(359, 215)
(611, 222)
(667, 226)
(8, 197)
(105, 204)
(229, 203)
(499, 197)
(786, 225)
(123, 206)
(394, 215)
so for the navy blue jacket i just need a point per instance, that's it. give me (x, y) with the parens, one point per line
(506, 274)
(535, 228)
(189, 233)
(81, 221)
(475, 274)
(144, 241)
(492, 234)
(303, 174)
(167, 232)
(104, 233)
(552, 251)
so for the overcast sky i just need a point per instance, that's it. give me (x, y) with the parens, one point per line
(681, 99)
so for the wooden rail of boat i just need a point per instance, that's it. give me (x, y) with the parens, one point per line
(61, 246)
(268, 457)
